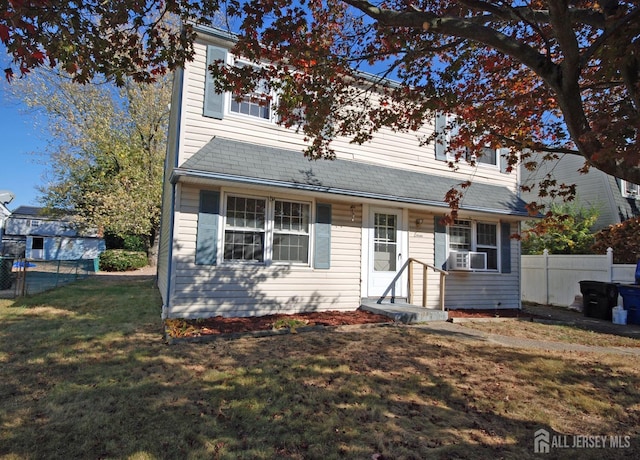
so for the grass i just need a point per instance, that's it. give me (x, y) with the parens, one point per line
(553, 332)
(84, 373)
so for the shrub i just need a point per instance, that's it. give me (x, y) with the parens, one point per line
(134, 243)
(118, 260)
(623, 239)
(565, 230)
(127, 242)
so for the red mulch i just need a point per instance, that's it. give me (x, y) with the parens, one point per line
(222, 325)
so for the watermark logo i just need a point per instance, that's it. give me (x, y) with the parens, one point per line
(543, 442)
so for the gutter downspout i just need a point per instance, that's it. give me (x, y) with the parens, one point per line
(173, 190)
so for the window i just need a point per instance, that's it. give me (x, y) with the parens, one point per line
(447, 129)
(248, 229)
(245, 229)
(385, 242)
(255, 104)
(630, 190)
(34, 223)
(291, 232)
(473, 246)
(488, 156)
(487, 242)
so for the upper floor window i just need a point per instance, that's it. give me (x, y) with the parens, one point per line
(254, 104)
(473, 246)
(447, 127)
(488, 156)
(630, 190)
(35, 223)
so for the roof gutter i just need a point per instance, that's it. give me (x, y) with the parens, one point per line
(180, 173)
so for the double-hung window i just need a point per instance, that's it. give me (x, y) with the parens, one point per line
(473, 246)
(260, 230)
(291, 232)
(254, 104)
(245, 228)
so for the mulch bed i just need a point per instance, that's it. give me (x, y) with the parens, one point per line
(215, 326)
(222, 325)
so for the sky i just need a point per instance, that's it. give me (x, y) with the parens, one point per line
(21, 168)
(22, 142)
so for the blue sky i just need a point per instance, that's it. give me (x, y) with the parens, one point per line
(21, 143)
(21, 168)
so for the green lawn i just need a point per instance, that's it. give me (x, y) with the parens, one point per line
(84, 373)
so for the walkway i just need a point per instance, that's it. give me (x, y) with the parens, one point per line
(551, 314)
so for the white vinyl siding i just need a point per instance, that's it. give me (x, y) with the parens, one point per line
(486, 290)
(481, 290)
(257, 289)
(388, 148)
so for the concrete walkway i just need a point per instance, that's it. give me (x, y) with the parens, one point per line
(550, 314)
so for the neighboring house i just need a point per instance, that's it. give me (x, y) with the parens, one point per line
(616, 200)
(30, 233)
(251, 227)
(6, 197)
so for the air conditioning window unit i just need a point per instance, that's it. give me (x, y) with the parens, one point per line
(467, 260)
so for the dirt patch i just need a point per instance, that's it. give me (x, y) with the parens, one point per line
(221, 325)
(500, 313)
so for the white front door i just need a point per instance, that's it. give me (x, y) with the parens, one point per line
(387, 253)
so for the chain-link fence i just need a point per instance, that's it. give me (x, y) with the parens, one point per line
(20, 277)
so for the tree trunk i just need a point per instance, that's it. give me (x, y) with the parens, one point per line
(152, 252)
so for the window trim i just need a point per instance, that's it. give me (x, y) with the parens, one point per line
(269, 231)
(474, 247)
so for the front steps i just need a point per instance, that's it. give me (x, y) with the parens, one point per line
(403, 312)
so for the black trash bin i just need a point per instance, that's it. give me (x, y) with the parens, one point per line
(6, 263)
(598, 299)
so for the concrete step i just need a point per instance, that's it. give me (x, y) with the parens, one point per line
(404, 312)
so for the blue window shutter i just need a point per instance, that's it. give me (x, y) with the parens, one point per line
(505, 249)
(440, 140)
(502, 153)
(322, 246)
(440, 240)
(213, 101)
(208, 219)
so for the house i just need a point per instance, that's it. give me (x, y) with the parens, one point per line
(251, 227)
(6, 197)
(616, 200)
(31, 233)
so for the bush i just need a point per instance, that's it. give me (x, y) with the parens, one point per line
(565, 230)
(118, 260)
(134, 243)
(127, 242)
(623, 239)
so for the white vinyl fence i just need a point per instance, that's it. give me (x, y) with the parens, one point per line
(555, 279)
